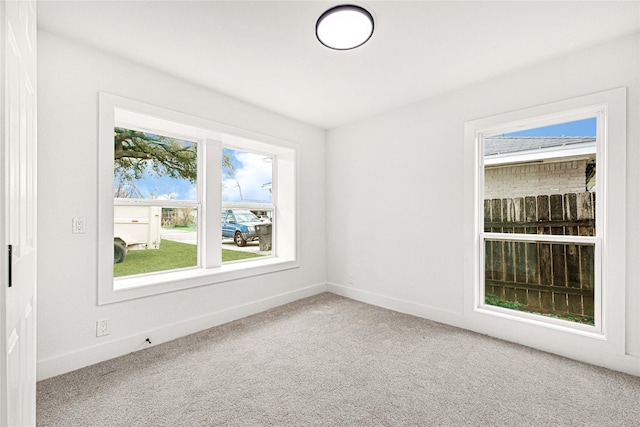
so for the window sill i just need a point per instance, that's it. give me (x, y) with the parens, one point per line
(590, 331)
(154, 284)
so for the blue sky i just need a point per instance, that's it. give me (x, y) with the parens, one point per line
(154, 187)
(586, 127)
(247, 182)
(252, 172)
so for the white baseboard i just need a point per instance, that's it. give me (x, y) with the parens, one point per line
(77, 359)
(623, 363)
(407, 307)
(71, 361)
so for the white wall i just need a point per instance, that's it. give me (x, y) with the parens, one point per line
(70, 77)
(395, 192)
(394, 199)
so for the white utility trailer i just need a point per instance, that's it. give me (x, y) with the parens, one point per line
(135, 228)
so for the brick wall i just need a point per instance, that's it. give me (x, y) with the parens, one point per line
(535, 179)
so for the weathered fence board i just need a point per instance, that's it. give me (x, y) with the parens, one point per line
(544, 277)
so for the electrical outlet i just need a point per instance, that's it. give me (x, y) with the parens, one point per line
(102, 328)
(78, 225)
(352, 280)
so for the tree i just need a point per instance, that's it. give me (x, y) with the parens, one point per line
(136, 153)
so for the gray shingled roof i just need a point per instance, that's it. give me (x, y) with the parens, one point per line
(515, 144)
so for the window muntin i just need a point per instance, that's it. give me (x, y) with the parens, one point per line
(538, 239)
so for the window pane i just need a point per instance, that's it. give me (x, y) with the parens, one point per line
(246, 181)
(246, 233)
(148, 166)
(552, 279)
(152, 239)
(542, 180)
(246, 177)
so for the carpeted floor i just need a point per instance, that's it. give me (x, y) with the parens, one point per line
(331, 361)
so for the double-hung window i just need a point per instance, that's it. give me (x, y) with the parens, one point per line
(540, 209)
(548, 218)
(185, 202)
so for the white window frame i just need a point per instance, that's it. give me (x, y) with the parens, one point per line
(210, 137)
(609, 108)
(596, 112)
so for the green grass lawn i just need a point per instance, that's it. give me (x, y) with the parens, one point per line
(170, 256)
(492, 299)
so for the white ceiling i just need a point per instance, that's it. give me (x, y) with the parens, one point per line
(265, 52)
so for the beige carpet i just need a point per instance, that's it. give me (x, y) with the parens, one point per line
(331, 361)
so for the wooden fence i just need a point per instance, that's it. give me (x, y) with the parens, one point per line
(555, 278)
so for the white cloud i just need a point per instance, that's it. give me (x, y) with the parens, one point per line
(252, 172)
(170, 196)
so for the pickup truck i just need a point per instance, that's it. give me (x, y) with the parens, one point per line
(240, 225)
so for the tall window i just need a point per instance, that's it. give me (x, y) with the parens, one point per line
(545, 225)
(185, 202)
(539, 235)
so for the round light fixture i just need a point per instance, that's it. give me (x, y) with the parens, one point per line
(344, 27)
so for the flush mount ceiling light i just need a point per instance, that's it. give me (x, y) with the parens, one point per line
(344, 27)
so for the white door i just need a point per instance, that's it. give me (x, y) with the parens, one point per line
(17, 212)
